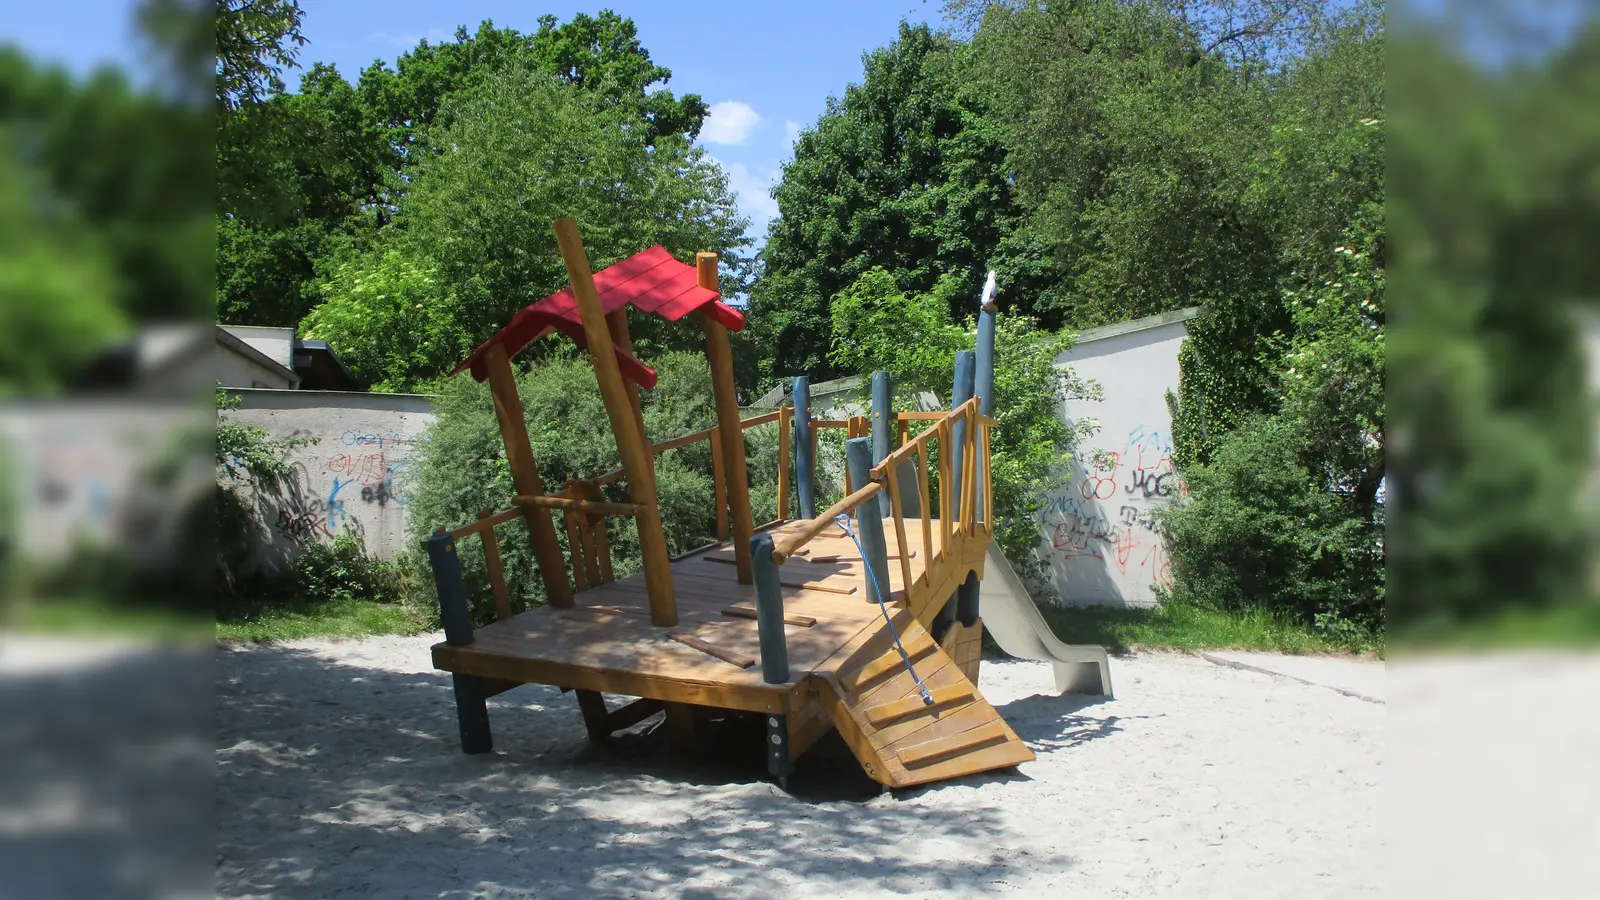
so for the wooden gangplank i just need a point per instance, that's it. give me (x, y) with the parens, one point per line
(901, 739)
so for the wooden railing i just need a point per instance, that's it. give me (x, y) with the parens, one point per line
(584, 511)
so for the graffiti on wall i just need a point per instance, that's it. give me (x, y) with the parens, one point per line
(1108, 513)
(363, 468)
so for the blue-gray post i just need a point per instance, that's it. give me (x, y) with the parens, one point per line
(453, 609)
(967, 596)
(805, 465)
(769, 611)
(472, 706)
(883, 434)
(869, 523)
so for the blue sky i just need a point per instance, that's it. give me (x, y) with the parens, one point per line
(766, 68)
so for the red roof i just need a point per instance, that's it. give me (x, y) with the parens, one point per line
(651, 281)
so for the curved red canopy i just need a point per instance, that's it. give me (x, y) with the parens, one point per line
(651, 281)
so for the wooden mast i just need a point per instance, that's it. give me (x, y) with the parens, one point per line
(729, 432)
(525, 475)
(637, 464)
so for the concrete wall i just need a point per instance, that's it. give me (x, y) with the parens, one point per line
(353, 474)
(1097, 536)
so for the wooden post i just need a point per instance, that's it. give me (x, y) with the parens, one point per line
(869, 522)
(637, 461)
(957, 447)
(472, 706)
(883, 442)
(769, 612)
(497, 569)
(720, 354)
(968, 596)
(783, 462)
(805, 448)
(525, 476)
(617, 325)
(719, 483)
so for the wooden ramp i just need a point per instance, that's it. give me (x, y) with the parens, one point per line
(899, 738)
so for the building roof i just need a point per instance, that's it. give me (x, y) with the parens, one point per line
(650, 281)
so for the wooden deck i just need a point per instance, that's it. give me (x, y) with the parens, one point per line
(845, 670)
(606, 642)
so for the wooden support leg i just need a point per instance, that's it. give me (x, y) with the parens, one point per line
(596, 718)
(472, 713)
(680, 725)
(778, 762)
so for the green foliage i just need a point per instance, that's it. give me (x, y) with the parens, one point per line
(391, 321)
(876, 325)
(910, 336)
(256, 41)
(342, 571)
(1260, 531)
(898, 174)
(526, 150)
(1181, 626)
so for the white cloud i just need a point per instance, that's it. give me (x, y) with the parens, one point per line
(791, 133)
(729, 122)
(410, 41)
(751, 189)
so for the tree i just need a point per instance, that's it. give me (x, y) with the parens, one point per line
(525, 149)
(898, 174)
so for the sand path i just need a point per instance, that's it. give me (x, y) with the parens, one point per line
(339, 776)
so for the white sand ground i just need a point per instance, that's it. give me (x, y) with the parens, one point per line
(339, 775)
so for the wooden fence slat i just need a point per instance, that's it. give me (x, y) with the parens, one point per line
(497, 573)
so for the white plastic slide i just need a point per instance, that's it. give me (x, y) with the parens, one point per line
(1010, 616)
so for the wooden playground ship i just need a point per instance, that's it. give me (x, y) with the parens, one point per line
(782, 619)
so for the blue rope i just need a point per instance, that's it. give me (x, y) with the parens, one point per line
(844, 522)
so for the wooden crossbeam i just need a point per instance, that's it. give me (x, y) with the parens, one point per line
(722, 653)
(886, 664)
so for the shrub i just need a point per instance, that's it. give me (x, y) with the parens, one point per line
(1260, 531)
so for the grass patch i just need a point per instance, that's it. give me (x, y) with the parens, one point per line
(100, 617)
(1181, 627)
(343, 617)
(1572, 625)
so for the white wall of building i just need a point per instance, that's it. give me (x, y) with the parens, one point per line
(353, 472)
(1098, 539)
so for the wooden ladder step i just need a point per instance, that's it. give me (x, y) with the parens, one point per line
(944, 748)
(887, 664)
(943, 698)
(746, 611)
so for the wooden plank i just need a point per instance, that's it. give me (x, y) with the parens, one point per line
(806, 729)
(497, 572)
(943, 748)
(591, 507)
(887, 664)
(637, 460)
(602, 541)
(633, 713)
(746, 611)
(927, 509)
(945, 500)
(755, 696)
(879, 767)
(525, 474)
(683, 440)
(596, 718)
(722, 653)
(906, 578)
(762, 419)
(499, 518)
(580, 581)
(943, 697)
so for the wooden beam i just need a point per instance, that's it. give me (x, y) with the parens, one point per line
(783, 463)
(719, 482)
(597, 507)
(720, 354)
(617, 326)
(746, 611)
(596, 718)
(813, 527)
(633, 713)
(710, 649)
(497, 572)
(525, 475)
(637, 460)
